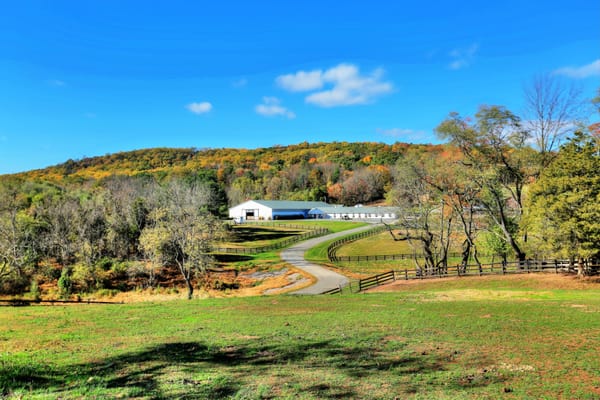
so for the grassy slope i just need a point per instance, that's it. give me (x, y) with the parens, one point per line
(525, 343)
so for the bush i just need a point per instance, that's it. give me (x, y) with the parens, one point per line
(34, 291)
(64, 283)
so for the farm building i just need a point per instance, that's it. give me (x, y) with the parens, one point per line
(358, 212)
(273, 209)
(279, 209)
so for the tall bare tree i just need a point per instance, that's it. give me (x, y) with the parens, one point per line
(553, 110)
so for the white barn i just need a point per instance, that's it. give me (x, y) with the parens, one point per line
(273, 209)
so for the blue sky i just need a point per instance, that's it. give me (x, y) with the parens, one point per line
(87, 78)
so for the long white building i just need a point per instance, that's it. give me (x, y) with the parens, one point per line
(280, 209)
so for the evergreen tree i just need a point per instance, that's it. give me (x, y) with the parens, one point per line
(564, 213)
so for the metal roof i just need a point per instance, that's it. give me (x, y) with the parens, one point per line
(353, 210)
(291, 204)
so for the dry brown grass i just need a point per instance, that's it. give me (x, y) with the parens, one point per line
(537, 281)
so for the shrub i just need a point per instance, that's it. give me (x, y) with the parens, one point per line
(64, 283)
(34, 291)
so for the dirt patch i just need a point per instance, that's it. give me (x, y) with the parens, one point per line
(296, 281)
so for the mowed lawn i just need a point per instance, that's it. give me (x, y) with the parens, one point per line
(450, 341)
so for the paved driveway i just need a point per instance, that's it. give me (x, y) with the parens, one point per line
(326, 279)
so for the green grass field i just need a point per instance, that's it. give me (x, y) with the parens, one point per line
(379, 245)
(455, 339)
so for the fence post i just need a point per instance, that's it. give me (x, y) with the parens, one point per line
(503, 267)
(405, 274)
(555, 266)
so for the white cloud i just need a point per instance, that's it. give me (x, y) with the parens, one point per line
(463, 57)
(200, 108)
(301, 81)
(272, 107)
(348, 86)
(585, 71)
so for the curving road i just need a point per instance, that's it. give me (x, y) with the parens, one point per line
(325, 278)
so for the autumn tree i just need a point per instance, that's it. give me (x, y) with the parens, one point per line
(500, 161)
(181, 230)
(564, 214)
(444, 172)
(59, 237)
(425, 219)
(17, 251)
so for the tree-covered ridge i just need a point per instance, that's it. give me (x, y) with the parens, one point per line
(182, 160)
(341, 172)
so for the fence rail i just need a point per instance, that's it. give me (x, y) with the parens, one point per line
(376, 280)
(385, 257)
(334, 246)
(28, 302)
(275, 246)
(500, 268)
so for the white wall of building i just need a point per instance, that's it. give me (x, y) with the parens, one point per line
(250, 210)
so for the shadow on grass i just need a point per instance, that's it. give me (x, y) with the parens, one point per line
(248, 234)
(180, 370)
(232, 257)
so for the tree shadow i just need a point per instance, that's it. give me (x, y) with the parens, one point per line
(253, 234)
(226, 258)
(147, 370)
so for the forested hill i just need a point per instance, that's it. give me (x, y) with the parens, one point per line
(184, 160)
(304, 171)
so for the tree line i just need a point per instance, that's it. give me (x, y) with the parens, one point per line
(98, 237)
(521, 185)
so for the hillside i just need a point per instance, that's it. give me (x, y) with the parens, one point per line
(183, 160)
(341, 171)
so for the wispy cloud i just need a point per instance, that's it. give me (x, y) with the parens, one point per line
(585, 71)
(463, 57)
(200, 108)
(348, 86)
(272, 107)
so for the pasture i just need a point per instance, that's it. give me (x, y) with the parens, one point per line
(489, 337)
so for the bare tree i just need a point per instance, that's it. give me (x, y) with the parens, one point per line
(425, 218)
(553, 110)
(181, 231)
(16, 243)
